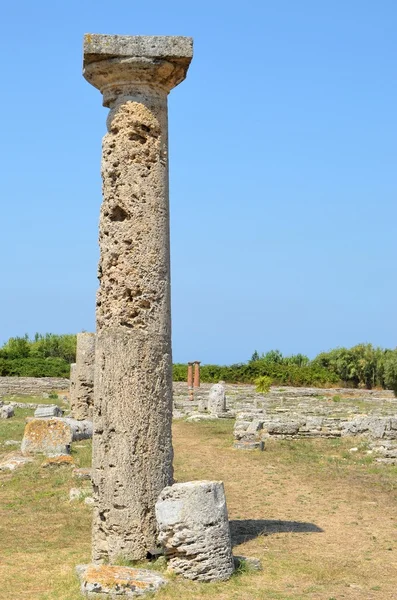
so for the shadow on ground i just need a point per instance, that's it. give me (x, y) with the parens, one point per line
(249, 529)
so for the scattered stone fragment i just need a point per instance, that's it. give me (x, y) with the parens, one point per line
(217, 399)
(82, 473)
(105, 581)
(89, 500)
(45, 412)
(12, 443)
(6, 411)
(201, 417)
(62, 460)
(80, 494)
(13, 460)
(253, 564)
(194, 530)
(247, 444)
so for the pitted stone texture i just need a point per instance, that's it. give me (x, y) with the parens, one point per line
(83, 400)
(132, 449)
(44, 412)
(47, 436)
(115, 583)
(6, 411)
(217, 399)
(194, 530)
(72, 387)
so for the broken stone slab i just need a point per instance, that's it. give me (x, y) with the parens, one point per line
(201, 417)
(13, 460)
(53, 436)
(100, 582)
(6, 411)
(247, 444)
(12, 443)
(82, 473)
(61, 460)
(194, 530)
(45, 412)
(252, 563)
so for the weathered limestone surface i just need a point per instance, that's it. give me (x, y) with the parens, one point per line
(72, 387)
(54, 436)
(83, 395)
(13, 460)
(194, 530)
(217, 399)
(47, 436)
(132, 447)
(51, 410)
(110, 582)
(6, 411)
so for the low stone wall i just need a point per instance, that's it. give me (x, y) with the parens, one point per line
(251, 428)
(31, 386)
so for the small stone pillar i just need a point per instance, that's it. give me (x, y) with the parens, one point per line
(194, 530)
(132, 445)
(196, 373)
(190, 380)
(84, 378)
(72, 387)
(217, 399)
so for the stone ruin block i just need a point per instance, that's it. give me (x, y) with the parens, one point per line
(194, 530)
(53, 436)
(106, 581)
(45, 412)
(217, 399)
(6, 411)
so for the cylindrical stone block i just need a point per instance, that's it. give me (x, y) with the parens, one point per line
(132, 445)
(190, 375)
(84, 377)
(194, 530)
(197, 374)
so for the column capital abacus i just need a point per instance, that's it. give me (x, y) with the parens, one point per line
(128, 65)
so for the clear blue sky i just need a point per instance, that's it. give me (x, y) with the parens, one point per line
(283, 152)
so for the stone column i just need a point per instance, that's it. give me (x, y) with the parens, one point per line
(197, 373)
(190, 380)
(132, 446)
(84, 376)
(72, 387)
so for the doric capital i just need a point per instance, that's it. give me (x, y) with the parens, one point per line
(125, 65)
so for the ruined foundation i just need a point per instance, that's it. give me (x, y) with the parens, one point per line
(132, 447)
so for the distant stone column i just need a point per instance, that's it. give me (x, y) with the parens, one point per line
(197, 373)
(72, 386)
(132, 446)
(190, 380)
(84, 376)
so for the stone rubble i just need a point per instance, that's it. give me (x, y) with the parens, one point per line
(116, 583)
(13, 460)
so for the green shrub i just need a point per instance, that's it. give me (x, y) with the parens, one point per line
(262, 384)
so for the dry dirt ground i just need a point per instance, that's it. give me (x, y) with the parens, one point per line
(322, 519)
